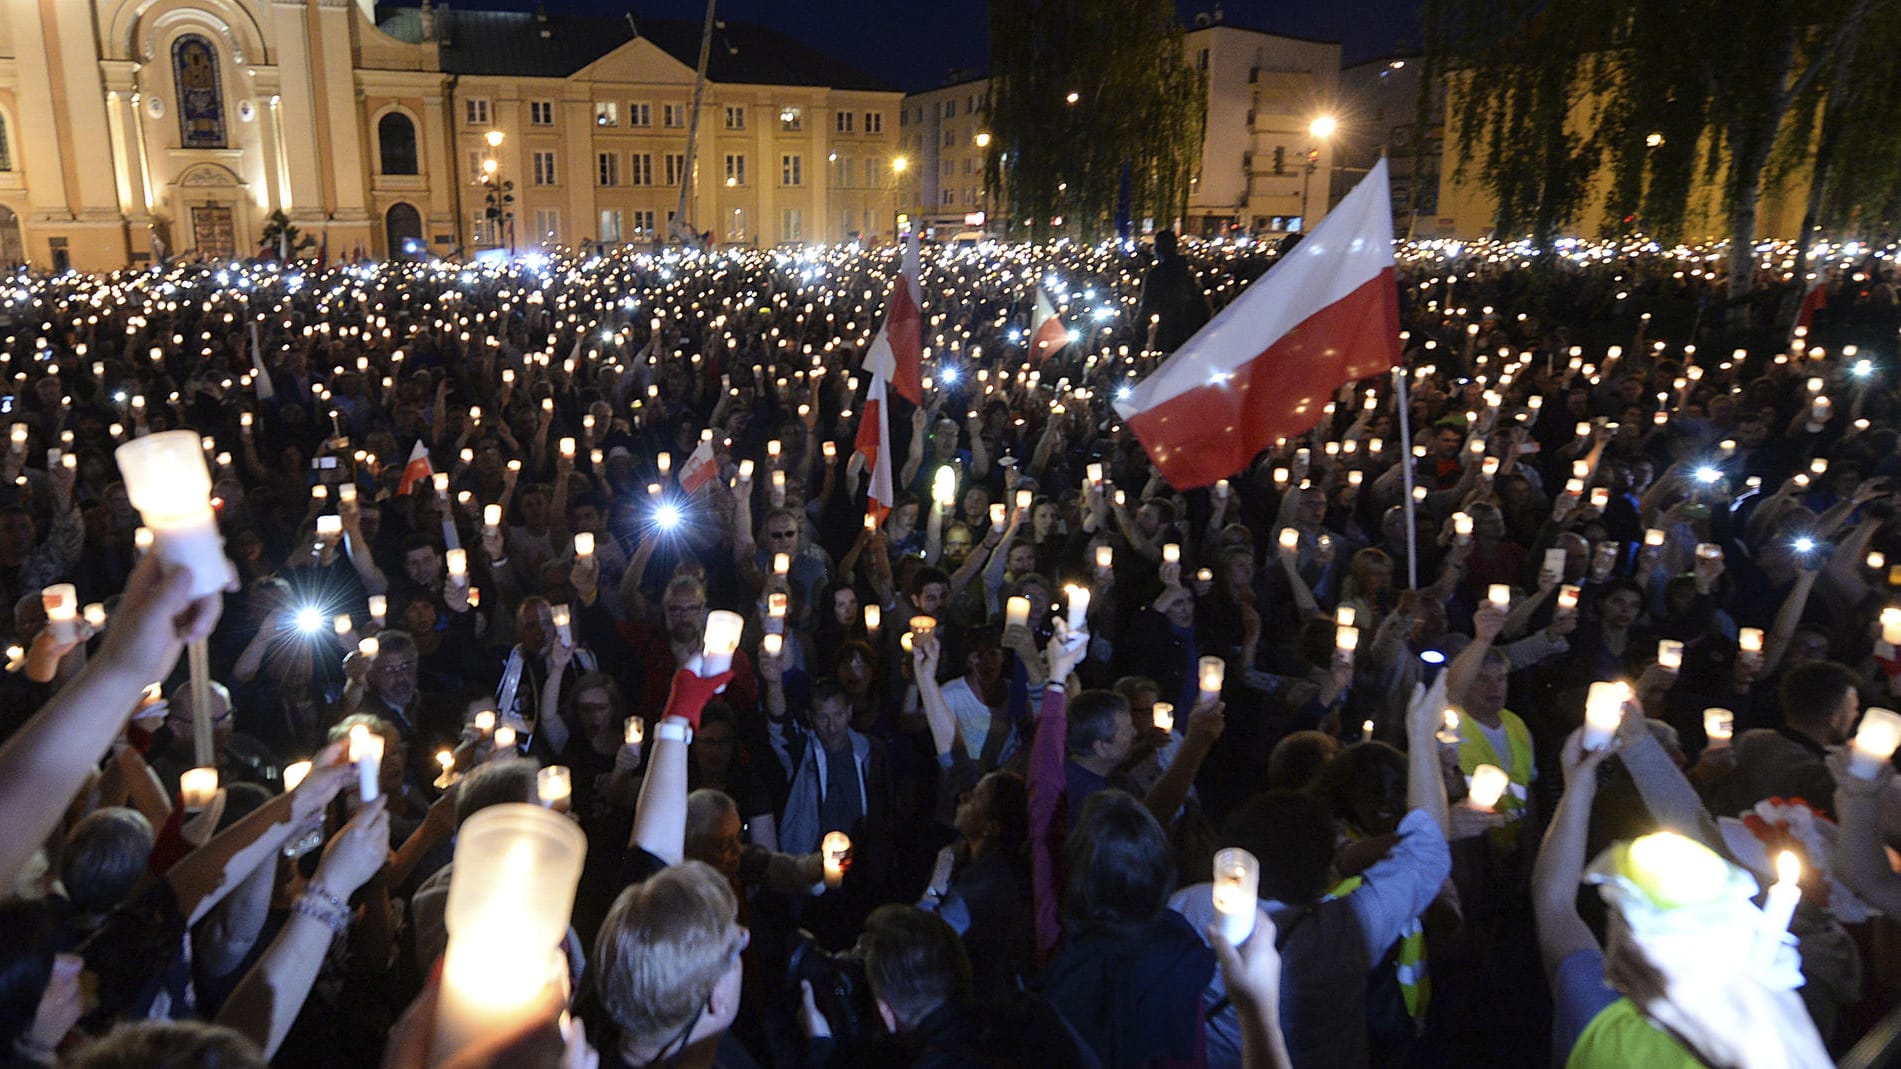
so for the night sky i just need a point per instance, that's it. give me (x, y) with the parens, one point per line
(914, 43)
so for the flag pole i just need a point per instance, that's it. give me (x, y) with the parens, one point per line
(1406, 462)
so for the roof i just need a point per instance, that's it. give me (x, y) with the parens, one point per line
(556, 46)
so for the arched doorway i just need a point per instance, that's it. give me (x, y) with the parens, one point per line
(12, 246)
(404, 224)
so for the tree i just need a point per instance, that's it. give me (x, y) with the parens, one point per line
(279, 235)
(1669, 95)
(1087, 97)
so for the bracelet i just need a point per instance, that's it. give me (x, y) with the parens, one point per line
(674, 730)
(336, 919)
(317, 891)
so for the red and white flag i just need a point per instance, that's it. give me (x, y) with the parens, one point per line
(699, 468)
(901, 338)
(1814, 299)
(417, 470)
(1267, 365)
(1047, 335)
(874, 442)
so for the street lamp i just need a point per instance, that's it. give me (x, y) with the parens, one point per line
(499, 200)
(494, 139)
(1072, 98)
(899, 163)
(1321, 129)
(983, 140)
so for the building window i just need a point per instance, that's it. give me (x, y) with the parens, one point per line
(673, 115)
(791, 118)
(874, 122)
(484, 229)
(735, 169)
(475, 112)
(1201, 60)
(6, 147)
(947, 168)
(643, 224)
(547, 226)
(735, 117)
(610, 224)
(676, 168)
(544, 168)
(873, 167)
(640, 169)
(791, 225)
(950, 138)
(841, 171)
(950, 197)
(1280, 159)
(200, 94)
(607, 168)
(640, 114)
(396, 138)
(950, 111)
(607, 113)
(790, 170)
(843, 122)
(541, 113)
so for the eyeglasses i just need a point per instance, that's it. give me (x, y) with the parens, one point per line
(782, 534)
(395, 668)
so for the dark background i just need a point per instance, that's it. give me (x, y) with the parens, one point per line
(914, 44)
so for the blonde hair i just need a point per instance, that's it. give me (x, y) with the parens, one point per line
(663, 947)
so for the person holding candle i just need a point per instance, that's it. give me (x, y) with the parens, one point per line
(1821, 702)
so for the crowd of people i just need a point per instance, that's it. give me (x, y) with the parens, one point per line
(484, 513)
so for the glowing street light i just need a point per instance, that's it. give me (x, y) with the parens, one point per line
(1323, 127)
(489, 166)
(899, 163)
(494, 139)
(983, 140)
(1073, 98)
(1654, 140)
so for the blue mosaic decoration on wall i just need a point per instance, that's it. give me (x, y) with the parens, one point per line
(200, 97)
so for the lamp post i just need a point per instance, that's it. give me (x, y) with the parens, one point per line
(1321, 130)
(499, 195)
(899, 164)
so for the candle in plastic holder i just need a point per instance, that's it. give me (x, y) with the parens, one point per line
(379, 609)
(1778, 906)
(554, 785)
(1346, 639)
(505, 737)
(777, 496)
(1448, 733)
(873, 617)
(1290, 539)
(781, 563)
(722, 638)
(772, 644)
(1891, 626)
(343, 625)
(1345, 616)
(1708, 551)
(1603, 712)
(1749, 640)
(197, 786)
(366, 753)
(778, 603)
(485, 721)
(999, 513)
(1669, 654)
(1016, 612)
(1487, 786)
(836, 849)
(633, 732)
(563, 629)
(1237, 881)
(944, 487)
(445, 760)
(1719, 726)
(61, 602)
(1210, 672)
(1105, 557)
(1499, 594)
(1164, 715)
(1023, 500)
(458, 560)
(440, 480)
(95, 615)
(1874, 743)
(1600, 497)
(1568, 595)
(492, 518)
(584, 543)
(1654, 537)
(1172, 553)
(516, 867)
(1462, 524)
(567, 448)
(1077, 598)
(166, 479)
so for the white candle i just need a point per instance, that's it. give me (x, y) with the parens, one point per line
(634, 731)
(562, 626)
(772, 644)
(1891, 626)
(447, 777)
(329, 527)
(584, 543)
(554, 785)
(95, 614)
(873, 616)
(368, 648)
(1078, 599)
(1600, 497)
(1487, 786)
(366, 753)
(1344, 616)
(1448, 733)
(944, 487)
(1778, 907)
(1237, 880)
(166, 479)
(781, 563)
(722, 638)
(1719, 725)
(1875, 742)
(1290, 539)
(379, 609)
(664, 464)
(458, 559)
(61, 602)
(505, 737)
(1749, 639)
(1346, 639)
(1093, 473)
(1568, 596)
(440, 480)
(343, 624)
(492, 517)
(1499, 594)
(1462, 524)
(1023, 499)
(515, 871)
(835, 848)
(998, 514)
(198, 785)
(1172, 553)
(567, 449)
(1016, 612)
(1164, 715)
(778, 487)
(1211, 672)
(485, 721)
(1669, 654)
(1603, 712)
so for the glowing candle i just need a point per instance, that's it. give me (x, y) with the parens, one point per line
(1290, 539)
(1448, 733)
(722, 638)
(166, 478)
(1487, 786)
(198, 785)
(923, 625)
(1462, 524)
(440, 480)
(554, 785)
(567, 448)
(944, 487)
(633, 732)
(1345, 616)
(745, 471)
(836, 848)
(366, 753)
(61, 602)
(379, 609)
(1499, 594)
(664, 464)
(1875, 742)
(95, 615)
(1211, 672)
(872, 619)
(781, 563)
(485, 721)
(515, 871)
(999, 512)
(1164, 715)
(1891, 625)
(1016, 612)
(343, 625)
(294, 773)
(1346, 639)
(505, 737)
(329, 527)
(1749, 639)
(1171, 553)
(772, 644)
(492, 517)
(458, 559)
(1078, 599)
(1600, 497)
(1669, 654)
(1877, 561)
(778, 487)
(1778, 907)
(1719, 725)
(447, 777)
(1237, 880)
(562, 630)
(1654, 537)
(1603, 712)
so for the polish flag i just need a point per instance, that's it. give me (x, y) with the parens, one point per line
(902, 335)
(874, 444)
(417, 470)
(1267, 365)
(1048, 336)
(699, 469)
(1814, 299)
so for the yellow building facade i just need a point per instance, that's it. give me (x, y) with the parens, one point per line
(131, 129)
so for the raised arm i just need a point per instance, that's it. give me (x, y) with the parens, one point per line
(1560, 865)
(660, 814)
(1860, 858)
(1486, 621)
(937, 713)
(1660, 783)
